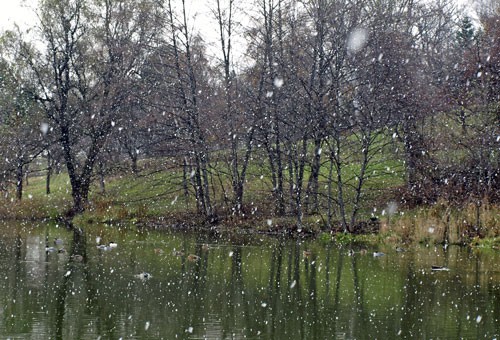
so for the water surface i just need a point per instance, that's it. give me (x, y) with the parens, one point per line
(241, 287)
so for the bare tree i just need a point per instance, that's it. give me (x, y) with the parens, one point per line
(187, 94)
(22, 139)
(85, 75)
(239, 130)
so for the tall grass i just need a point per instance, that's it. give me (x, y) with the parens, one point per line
(444, 223)
(36, 204)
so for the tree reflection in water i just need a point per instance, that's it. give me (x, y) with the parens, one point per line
(246, 287)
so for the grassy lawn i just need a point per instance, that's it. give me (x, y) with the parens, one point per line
(157, 194)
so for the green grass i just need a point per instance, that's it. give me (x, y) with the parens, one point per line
(156, 194)
(157, 190)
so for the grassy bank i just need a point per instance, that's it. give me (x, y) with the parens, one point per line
(153, 199)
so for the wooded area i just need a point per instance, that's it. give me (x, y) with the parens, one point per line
(321, 84)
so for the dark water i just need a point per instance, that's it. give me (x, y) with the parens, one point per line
(242, 287)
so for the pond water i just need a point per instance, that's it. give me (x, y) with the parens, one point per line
(237, 287)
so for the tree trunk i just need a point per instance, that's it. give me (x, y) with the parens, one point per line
(337, 162)
(243, 170)
(413, 155)
(340, 198)
(19, 181)
(133, 159)
(361, 180)
(312, 185)
(185, 180)
(26, 174)
(276, 178)
(330, 195)
(299, 172)
(209, 211)
(80, 182)
(102, 183)
(49, 173)
(291, 174)
(79, 203)
(279, 169)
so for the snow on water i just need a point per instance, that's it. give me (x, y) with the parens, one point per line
(262, 280)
